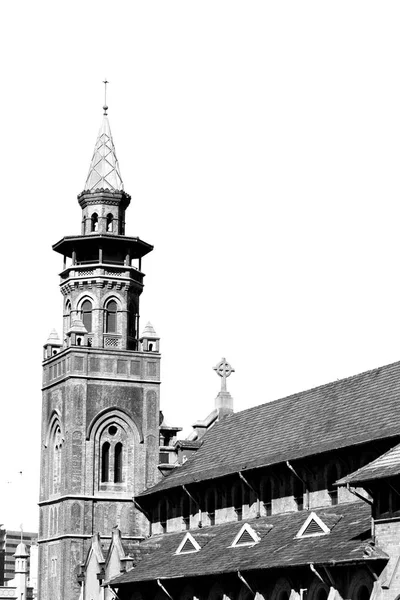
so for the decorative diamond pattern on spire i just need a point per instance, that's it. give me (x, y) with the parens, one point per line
(104, 169)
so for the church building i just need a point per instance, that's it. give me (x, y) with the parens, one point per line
(296, 499)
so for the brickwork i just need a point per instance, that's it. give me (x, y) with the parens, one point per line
(100, 410)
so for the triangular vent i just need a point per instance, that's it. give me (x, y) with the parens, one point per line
(188, 545)
(246, 537)
(313, 526)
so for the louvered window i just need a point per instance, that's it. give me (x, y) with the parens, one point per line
(187, 547)
(312, 528)
(245, 538)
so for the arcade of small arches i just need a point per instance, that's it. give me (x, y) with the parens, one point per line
(111, 311)
(111, 223)
(355, 586)
(85, 312)
(239, 497)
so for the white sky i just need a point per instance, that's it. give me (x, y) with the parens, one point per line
(260, 143)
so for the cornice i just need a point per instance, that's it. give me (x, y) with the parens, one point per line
(84, 497)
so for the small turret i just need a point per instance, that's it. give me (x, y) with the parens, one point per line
(21, 571)
(53, 344)
(77, 334)
(149, 340)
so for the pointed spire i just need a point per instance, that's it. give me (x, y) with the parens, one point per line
(104, 170)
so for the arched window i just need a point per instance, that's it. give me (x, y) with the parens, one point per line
(363, 593)
(322, 594)
(68, 313)
(105, 461)
(95, 222)
(118, 463)
(332, 476)
(86, 310)
(110, 222)
(57, 445)
(111, 317)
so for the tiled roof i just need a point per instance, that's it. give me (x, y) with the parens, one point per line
(387, 465)
(350, 411)
(347, 541)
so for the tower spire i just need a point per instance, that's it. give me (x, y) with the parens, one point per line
(104, 170)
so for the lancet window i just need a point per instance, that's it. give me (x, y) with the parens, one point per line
(112, 455)
(105, 461)
(68, 314)
(118, 463)
(110, 219)
(95, 222)
(86, 311)
(111, 317)
(56, 447)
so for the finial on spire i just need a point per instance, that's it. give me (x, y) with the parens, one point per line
(105, 107)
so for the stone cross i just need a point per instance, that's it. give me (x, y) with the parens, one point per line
(223, 369)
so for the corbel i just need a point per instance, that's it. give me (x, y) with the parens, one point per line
(314, 570)
(353, 491)
(242, 579)
(196, 502)
(293, 470)
(164, 590)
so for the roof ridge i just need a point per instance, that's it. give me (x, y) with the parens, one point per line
(309, 390)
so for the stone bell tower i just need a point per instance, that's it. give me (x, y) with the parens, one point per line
(101, 383)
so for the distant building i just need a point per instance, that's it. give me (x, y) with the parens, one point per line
(18, 587)
(9, 541)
